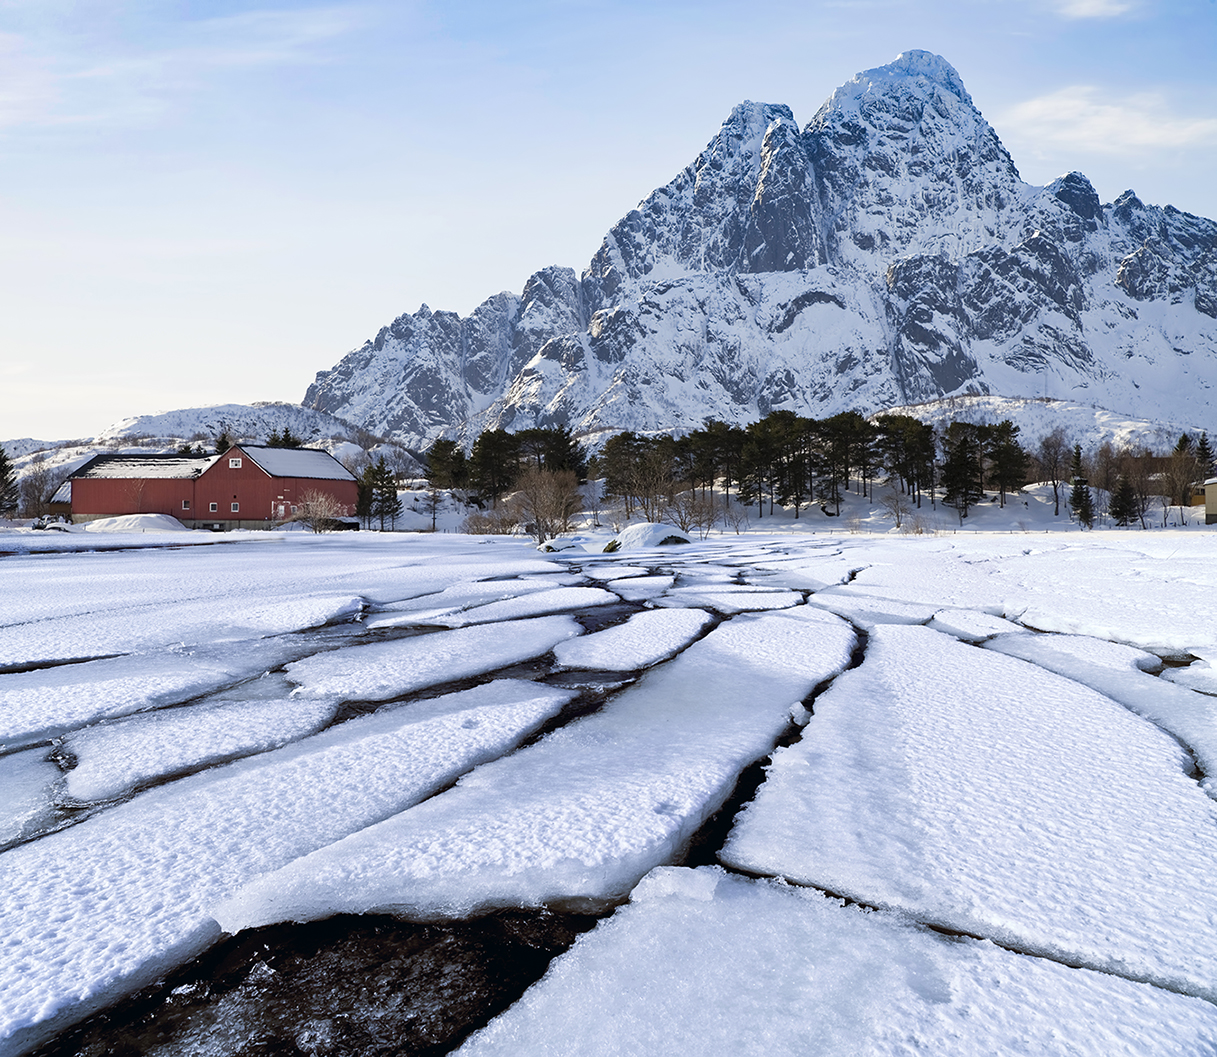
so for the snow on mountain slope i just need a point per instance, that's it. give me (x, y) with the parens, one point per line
(887, 254)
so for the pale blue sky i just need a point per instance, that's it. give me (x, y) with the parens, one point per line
(211, 201)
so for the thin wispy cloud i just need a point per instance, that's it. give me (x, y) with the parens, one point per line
(52, 80)
(1092, 8)
(1086, 118)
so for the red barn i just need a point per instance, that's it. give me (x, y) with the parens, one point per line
(249, 486)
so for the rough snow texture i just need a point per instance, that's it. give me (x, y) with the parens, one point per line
(643, 640)
(992, 797)
(1120, 673)
(579, 817)
(703, 962)
(130, 892)
(885, 254)
(114, 758)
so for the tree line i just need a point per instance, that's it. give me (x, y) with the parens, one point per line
(792, 461)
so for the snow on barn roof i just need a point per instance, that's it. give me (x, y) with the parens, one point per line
(135, 466)
(298, 462)
(63, 494)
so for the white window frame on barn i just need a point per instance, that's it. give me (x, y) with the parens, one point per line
(185, 504)
(236, 508)
(215, 507)
(234, 464)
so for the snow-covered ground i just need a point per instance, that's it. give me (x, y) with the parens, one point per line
(966, 731)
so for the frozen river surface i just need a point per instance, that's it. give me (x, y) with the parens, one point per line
(354, 794)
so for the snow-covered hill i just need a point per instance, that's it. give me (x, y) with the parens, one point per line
(888, 253)
(1084, 424)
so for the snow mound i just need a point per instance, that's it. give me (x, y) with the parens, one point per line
(648, 534)
(136, 523)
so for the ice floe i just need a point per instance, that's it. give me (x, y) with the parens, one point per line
(114, 758)
(645, 639)
(383, 670)
(102, 908)
(985, 795)
(1120, 672)
(580, 816)
(704, 962)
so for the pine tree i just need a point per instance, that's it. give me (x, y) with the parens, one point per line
(9, 492)
(1204, 456)
(961, 473)
(1081, 505)
(1123, 506)
(386, 507)
(1009, 470)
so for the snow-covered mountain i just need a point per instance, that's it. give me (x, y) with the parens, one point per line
(887, 253)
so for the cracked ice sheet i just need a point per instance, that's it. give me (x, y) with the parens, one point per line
(866, 610)
(41, 704)
(103, 908)
(1156, 591)
(970, 625)
(641, 588)
(1120, 673)
(704, 962)
(113, 758)
(148, 627)
(731, 599)
(451, 600)
(557, 600)
(645, 639)
(984, 795)
(384, 670)
(580, 816)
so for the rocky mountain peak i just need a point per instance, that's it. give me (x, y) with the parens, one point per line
(886, 253)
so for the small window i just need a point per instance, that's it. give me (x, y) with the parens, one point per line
(214, 507)
(293, 510)
(234, 464)
(185, 504)
(236, 507)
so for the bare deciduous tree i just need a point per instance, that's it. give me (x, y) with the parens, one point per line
(896, 506)
(318, 511)
(548, 499)
(688, 510)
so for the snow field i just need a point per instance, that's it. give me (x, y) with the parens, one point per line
(383, 670)
(984, 795)
(645, 639)
(98, 910)
(577, 818)
(701, 961)
(113, 758)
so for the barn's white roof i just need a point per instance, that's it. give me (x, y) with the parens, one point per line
(298, 462)
(137, 466)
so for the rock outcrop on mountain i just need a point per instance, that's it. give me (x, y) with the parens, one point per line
(885, 254)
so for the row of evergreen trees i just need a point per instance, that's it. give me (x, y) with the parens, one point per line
(793, 461)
